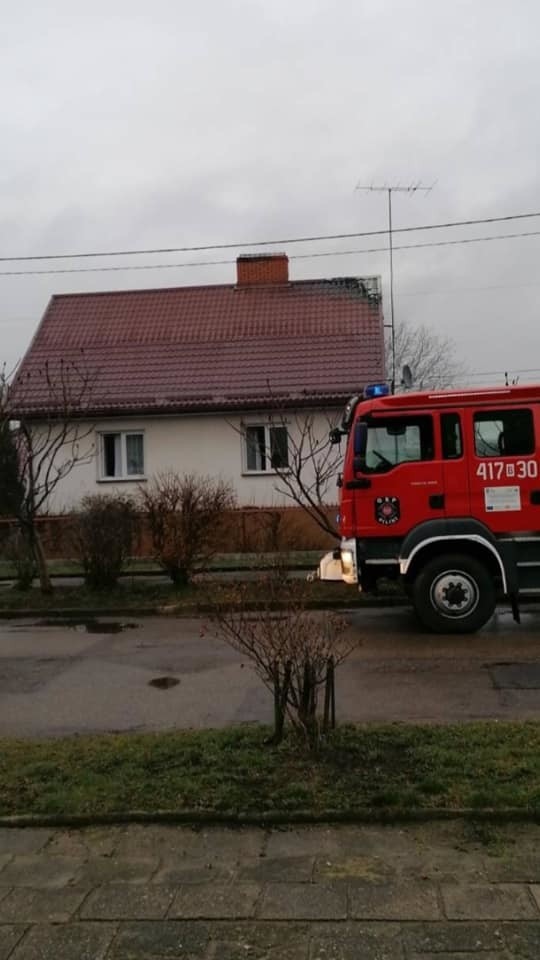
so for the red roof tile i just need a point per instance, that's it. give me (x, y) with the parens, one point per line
(209, 348)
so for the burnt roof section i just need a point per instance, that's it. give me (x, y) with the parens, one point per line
(206, 348)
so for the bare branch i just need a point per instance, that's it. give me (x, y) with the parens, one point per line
(290, 647)
(431, 358)
(43, 411)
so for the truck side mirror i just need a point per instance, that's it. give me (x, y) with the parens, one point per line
(360, 439)
(335, 435)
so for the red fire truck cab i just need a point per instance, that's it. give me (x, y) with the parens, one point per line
(442, 490)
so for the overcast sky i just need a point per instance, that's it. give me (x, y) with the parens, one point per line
(130, 125)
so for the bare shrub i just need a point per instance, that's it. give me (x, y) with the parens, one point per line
(103, 531)
(294, 650)
(184, 512)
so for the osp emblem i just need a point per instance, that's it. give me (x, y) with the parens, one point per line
(387, 510)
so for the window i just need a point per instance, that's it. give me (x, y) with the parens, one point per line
(503, 433)
(267, 448)
(452, 444)
(122, 456)
(397, 440)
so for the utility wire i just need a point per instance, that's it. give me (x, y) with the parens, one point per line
(464, 378)
(298, 256)
(268, 243)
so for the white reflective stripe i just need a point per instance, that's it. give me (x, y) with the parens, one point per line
(520, 539)
(381, 562)
(405, 564)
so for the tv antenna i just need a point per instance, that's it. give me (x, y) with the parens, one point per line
(389, 189)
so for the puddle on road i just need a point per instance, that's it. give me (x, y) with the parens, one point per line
(88, 626)
(510, 675)
(163, 683)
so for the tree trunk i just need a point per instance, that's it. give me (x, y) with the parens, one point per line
(41, 563)
(179, 576)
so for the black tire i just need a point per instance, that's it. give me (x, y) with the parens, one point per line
(454, 593)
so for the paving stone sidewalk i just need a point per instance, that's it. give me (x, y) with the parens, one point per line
(439, 891)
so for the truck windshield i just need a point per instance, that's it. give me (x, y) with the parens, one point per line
(396, 440)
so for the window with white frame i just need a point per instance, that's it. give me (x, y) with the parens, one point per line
(266, 448)
(121, 455)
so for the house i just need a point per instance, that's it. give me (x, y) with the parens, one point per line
(213, 379)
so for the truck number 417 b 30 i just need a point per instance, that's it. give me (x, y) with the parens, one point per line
(498, 469)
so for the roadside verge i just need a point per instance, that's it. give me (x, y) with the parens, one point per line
(361, 774)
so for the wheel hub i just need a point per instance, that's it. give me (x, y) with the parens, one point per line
(454, 594)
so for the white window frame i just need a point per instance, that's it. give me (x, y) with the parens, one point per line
(267, 426)
(123, 476)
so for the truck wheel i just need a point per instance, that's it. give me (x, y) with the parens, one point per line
(454, 593)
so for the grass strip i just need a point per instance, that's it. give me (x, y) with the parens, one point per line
(400, 769)
(139, 594)
(294, 559)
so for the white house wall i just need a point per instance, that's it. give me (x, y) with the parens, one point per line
(203, 444)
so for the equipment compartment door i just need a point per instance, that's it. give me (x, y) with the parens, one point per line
(504, 469)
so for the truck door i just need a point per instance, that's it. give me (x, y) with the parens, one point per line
(504, 472)
(398, 474)
(454, 463)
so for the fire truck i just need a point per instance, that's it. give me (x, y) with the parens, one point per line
(442, 491)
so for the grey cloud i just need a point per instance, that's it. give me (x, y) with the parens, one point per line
(134, 126)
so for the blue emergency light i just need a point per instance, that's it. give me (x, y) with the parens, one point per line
(376, 390)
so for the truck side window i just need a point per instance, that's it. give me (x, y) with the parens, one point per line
(452, 443)
(394, 440)
(503, 433)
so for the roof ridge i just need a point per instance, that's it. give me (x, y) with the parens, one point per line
(319, 281)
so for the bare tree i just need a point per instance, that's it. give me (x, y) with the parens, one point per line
(45, 410)
(308, 475)
(431, 357)
(310, 479)
(306, 470)
(11, 490)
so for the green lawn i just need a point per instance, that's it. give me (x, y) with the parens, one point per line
(394, 769)
(149, 596)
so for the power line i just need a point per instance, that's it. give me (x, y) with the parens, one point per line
(454, 290)
(267, 243)
(146, 266)
(414, 246)
(475, 375)
(298, 256)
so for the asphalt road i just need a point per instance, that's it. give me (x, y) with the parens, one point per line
(57, 680)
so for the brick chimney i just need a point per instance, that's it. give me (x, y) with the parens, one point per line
(262, 268)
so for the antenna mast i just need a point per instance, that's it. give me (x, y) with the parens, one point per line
(389, 190)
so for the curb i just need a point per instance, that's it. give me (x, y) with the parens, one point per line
(270, 818)
(192, 610)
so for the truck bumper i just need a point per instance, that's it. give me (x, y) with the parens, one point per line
(340, 564)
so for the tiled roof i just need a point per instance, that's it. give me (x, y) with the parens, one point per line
(208, 348)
